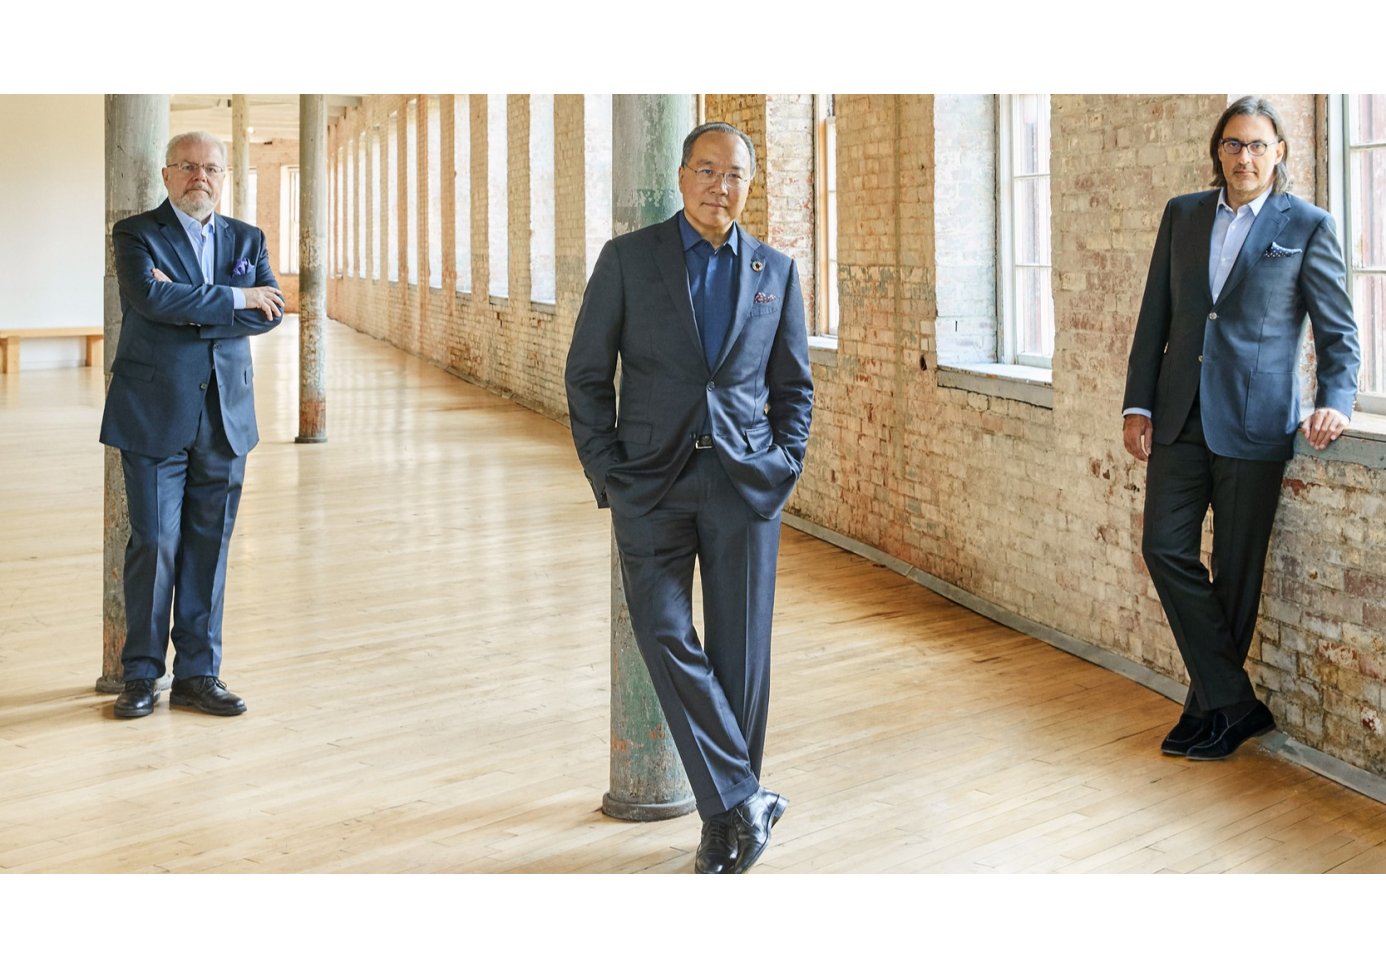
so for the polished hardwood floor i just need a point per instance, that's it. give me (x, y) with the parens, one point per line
(417, 617)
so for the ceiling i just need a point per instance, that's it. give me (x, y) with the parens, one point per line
(272, 117)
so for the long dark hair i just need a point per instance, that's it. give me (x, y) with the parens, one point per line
(1250, 105)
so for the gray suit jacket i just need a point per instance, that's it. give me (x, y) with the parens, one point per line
(758, 396)
(174, 334)
(1239, 354)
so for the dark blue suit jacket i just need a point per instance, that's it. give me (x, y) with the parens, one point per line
(1239, 354)
(173, 335)
(758, 396)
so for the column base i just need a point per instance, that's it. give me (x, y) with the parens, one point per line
(111, 685)
(620, 809)
(311, 440)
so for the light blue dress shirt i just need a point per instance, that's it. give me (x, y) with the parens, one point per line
(203, 239)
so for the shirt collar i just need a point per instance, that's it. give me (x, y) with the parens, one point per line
(191, 225)
(1256, 203)
(690, 237)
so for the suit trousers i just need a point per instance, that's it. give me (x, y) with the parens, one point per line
(1212, 618)
(715, 694)
(182, 510)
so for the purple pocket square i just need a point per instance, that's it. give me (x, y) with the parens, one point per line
(242, 268)
(765, 297)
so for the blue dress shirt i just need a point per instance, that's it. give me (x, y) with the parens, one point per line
(203, 239)
(712, 285)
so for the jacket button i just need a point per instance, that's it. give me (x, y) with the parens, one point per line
(1200, 357)
(1212, 315)
(202, 386)
(712, 386)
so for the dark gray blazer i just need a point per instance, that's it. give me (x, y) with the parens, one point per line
(758, 396)
(174, 334)
(1239, 354)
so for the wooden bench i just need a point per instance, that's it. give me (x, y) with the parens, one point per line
(11, 338)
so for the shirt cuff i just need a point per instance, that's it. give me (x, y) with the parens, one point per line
(237, 297)
(1137, 410)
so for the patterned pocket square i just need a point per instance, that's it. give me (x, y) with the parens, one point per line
(241, 268)
(765, 297)
(1280, 252)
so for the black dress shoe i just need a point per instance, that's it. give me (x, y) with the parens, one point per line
(206, 694)
(1186, 734)
(136, 699)
(1227, 736)
(752, 819)
(718, 849)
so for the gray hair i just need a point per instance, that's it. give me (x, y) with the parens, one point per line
(189, 137)
(723, 128)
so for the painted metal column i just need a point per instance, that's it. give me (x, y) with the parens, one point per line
(240, 159)
(312, 267)
(136, 136)
(647, 779)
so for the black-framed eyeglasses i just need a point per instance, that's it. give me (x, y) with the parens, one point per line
(1233, 147)
(710, 176)
(189, 168)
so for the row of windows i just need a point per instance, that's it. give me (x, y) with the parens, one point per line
(1019, 256)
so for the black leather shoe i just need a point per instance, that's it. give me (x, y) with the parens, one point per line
(717, 850)
(206, 694)
(752, 819)
(1228, 736)
(136, 699)
(1186, 734)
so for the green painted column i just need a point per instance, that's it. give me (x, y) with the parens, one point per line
(136, 136)
(647, 779)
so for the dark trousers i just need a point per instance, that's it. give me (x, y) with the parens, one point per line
(715, 694)
(1212, 618)
(182, 510)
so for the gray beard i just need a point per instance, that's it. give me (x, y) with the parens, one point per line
(196, 206)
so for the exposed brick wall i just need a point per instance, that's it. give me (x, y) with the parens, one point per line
(1035, 509)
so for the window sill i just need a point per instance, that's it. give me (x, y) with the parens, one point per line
(544, 308)
(1362, 443)
(823, 350)
(1028, 384)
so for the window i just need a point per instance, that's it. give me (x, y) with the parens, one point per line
(497, 204)
(288, 220)
(462, 189)
(377, 223)
(1359, 121)
(351, 211)
(825, 225)
(411, 191)
(542, 285)
(361, 180)
(435, 196)
(1025, 262)
(337, 196)
(596, 114)
(392, 200)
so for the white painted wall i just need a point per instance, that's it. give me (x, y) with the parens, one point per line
(52, 219)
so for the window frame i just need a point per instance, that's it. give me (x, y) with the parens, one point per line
(1008, 332)
(827, 309)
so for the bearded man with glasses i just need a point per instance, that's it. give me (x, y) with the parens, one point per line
(194, 286)
(715, 400)
(1213, 401)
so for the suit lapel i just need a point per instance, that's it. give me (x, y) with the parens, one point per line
(748, 280)
(669, 257)
(224, 252)
(1200, 241)
(176, 237)
(1266, 227)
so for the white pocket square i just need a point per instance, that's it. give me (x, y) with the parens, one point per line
(1280, 252)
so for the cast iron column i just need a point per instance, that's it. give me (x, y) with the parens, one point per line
(647, 779)
(312, 267)
(136, 135)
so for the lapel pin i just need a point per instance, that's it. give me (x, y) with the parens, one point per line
(757, 265)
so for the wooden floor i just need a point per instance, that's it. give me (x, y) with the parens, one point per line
(417, 617)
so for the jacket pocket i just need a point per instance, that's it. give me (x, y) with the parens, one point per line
(1270, 406)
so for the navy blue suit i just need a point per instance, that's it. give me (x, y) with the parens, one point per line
(181, 409)
(1221, 382)
(673, 504)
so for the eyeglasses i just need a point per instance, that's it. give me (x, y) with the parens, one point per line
(710, 176)
(1233, 147)
(188, 168)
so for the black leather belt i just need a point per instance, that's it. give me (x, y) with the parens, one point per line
(702, 442)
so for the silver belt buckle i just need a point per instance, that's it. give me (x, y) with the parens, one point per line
(702, 442)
